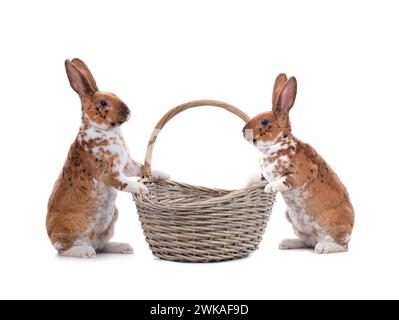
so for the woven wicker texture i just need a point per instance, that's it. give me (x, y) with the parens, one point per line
(187, 223)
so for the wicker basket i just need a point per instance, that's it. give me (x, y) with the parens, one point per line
(188, 223)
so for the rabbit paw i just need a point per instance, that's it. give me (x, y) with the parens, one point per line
(329, 247)
(79, 252)
(157, 174)
(117, 247)
(276, 186)
(272, 187)
(138, 188)
(287, 244)
(253, 179)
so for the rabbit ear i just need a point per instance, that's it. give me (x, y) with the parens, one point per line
(286, 98)
(278, 84)
(78, 80)
(86, 71)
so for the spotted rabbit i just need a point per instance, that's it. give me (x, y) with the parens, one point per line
(81, 210)
(318, 204)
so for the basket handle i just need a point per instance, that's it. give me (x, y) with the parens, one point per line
(175, 111)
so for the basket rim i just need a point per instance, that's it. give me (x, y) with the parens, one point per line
(230, 194)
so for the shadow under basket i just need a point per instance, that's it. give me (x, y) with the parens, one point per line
(187, 223)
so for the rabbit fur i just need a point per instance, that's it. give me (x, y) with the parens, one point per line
(81, 209)
(318, 204)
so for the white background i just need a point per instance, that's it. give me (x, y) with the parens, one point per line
(157, 54)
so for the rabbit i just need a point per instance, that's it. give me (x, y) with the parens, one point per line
(81, 210)
(318, 204)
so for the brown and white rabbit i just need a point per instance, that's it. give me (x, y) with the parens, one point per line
(318, 205)
(81, 210)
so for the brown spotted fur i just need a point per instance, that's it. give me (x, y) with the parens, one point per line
(307, 175)
(75, 198)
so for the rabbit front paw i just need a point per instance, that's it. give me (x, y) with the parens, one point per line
(137, 187)
(157, 174)
(271, 187)
(277, 186)
(253, 179)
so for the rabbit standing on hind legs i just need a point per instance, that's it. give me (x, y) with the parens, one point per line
(318, 205)
(81, 210)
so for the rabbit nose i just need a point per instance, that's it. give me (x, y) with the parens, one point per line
(125, 110)
(248, 133)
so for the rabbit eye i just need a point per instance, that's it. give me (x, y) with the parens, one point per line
(265, 122)
(103, 103)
